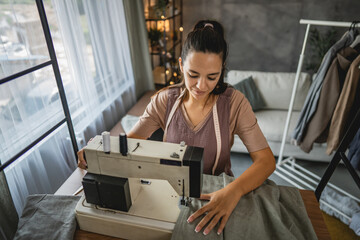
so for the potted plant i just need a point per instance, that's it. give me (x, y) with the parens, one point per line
(154, 35)
(320, 42)
(160, 7)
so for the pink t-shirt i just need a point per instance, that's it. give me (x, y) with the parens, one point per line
(242, 120)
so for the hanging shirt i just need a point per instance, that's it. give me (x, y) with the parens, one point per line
(235, 117)
(312, 98)
(343, 115)
(318, 127)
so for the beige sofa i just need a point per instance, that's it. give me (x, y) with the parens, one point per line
(276, 89)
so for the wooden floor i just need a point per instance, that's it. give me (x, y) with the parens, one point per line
(315, 214)
(339, 230)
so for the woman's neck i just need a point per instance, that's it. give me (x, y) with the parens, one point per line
(190, 100)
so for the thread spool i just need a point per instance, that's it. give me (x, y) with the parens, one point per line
(106, 141)
(123, 144)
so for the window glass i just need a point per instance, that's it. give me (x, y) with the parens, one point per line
(22, 41)
(29, 106)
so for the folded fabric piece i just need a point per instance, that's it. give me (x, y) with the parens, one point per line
(48, 217)
(312, 98)
(268, 212)
(344, 204)
(355, 223)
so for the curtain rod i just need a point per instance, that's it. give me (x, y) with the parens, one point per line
(325, 23)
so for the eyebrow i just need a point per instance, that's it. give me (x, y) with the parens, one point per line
(208, 74)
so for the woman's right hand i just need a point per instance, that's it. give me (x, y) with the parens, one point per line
(81, 159)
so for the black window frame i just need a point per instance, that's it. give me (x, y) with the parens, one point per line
(55, 66)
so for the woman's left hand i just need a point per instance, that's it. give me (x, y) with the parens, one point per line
(220, 207)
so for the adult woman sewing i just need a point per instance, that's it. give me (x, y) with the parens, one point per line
(204, 111)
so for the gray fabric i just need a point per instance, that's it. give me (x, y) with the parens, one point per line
(268, 212)
(313, 96)
(48, 217)
(355, 223)
(344, 204)
(8, 215)
(251, 92)
(139, 49)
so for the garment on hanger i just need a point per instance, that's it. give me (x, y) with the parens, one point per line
(317, 128)
(312, 98)
(354, 151)
(342, 113)
(356, 41)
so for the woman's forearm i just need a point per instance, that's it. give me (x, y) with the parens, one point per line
(263, 166)
(131, 134)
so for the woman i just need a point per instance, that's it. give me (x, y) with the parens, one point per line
(205, 112)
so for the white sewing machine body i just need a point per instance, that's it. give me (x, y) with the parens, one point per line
(165, 179)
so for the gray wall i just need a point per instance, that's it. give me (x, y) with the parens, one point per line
(265, 35)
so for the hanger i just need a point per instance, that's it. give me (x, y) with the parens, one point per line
(356, 32)
(353, 26)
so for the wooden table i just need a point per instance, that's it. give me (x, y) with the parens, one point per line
(73, 183)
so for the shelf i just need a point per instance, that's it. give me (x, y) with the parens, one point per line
(169, 24)
(174, 45)
(159, 75)
(169, 47)
(159, 19)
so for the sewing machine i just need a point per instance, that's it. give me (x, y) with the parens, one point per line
(134, 189)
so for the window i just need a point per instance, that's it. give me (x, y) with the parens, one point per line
(92, 49)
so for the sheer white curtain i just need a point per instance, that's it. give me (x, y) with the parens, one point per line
(96, 43)
(92, 48)
(42, 169)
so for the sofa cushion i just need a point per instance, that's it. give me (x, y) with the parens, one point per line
(272, 123)
(128, 122)
(251, 92)
(275, 87)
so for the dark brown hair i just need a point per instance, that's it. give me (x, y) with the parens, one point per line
(207, 37)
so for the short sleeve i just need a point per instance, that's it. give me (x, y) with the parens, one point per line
(154, 116)
(245, 123)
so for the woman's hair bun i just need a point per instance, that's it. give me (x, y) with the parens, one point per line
(216, 26)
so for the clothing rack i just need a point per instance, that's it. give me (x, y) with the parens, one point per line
(297, 175)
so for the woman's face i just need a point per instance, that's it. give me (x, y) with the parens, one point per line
(201, 73)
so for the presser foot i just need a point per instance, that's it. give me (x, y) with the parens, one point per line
(185, 201)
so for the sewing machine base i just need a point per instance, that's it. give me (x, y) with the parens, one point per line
(153, 214)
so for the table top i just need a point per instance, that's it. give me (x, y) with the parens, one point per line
(73, 185)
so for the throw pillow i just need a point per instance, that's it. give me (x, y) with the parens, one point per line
(251, 92)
